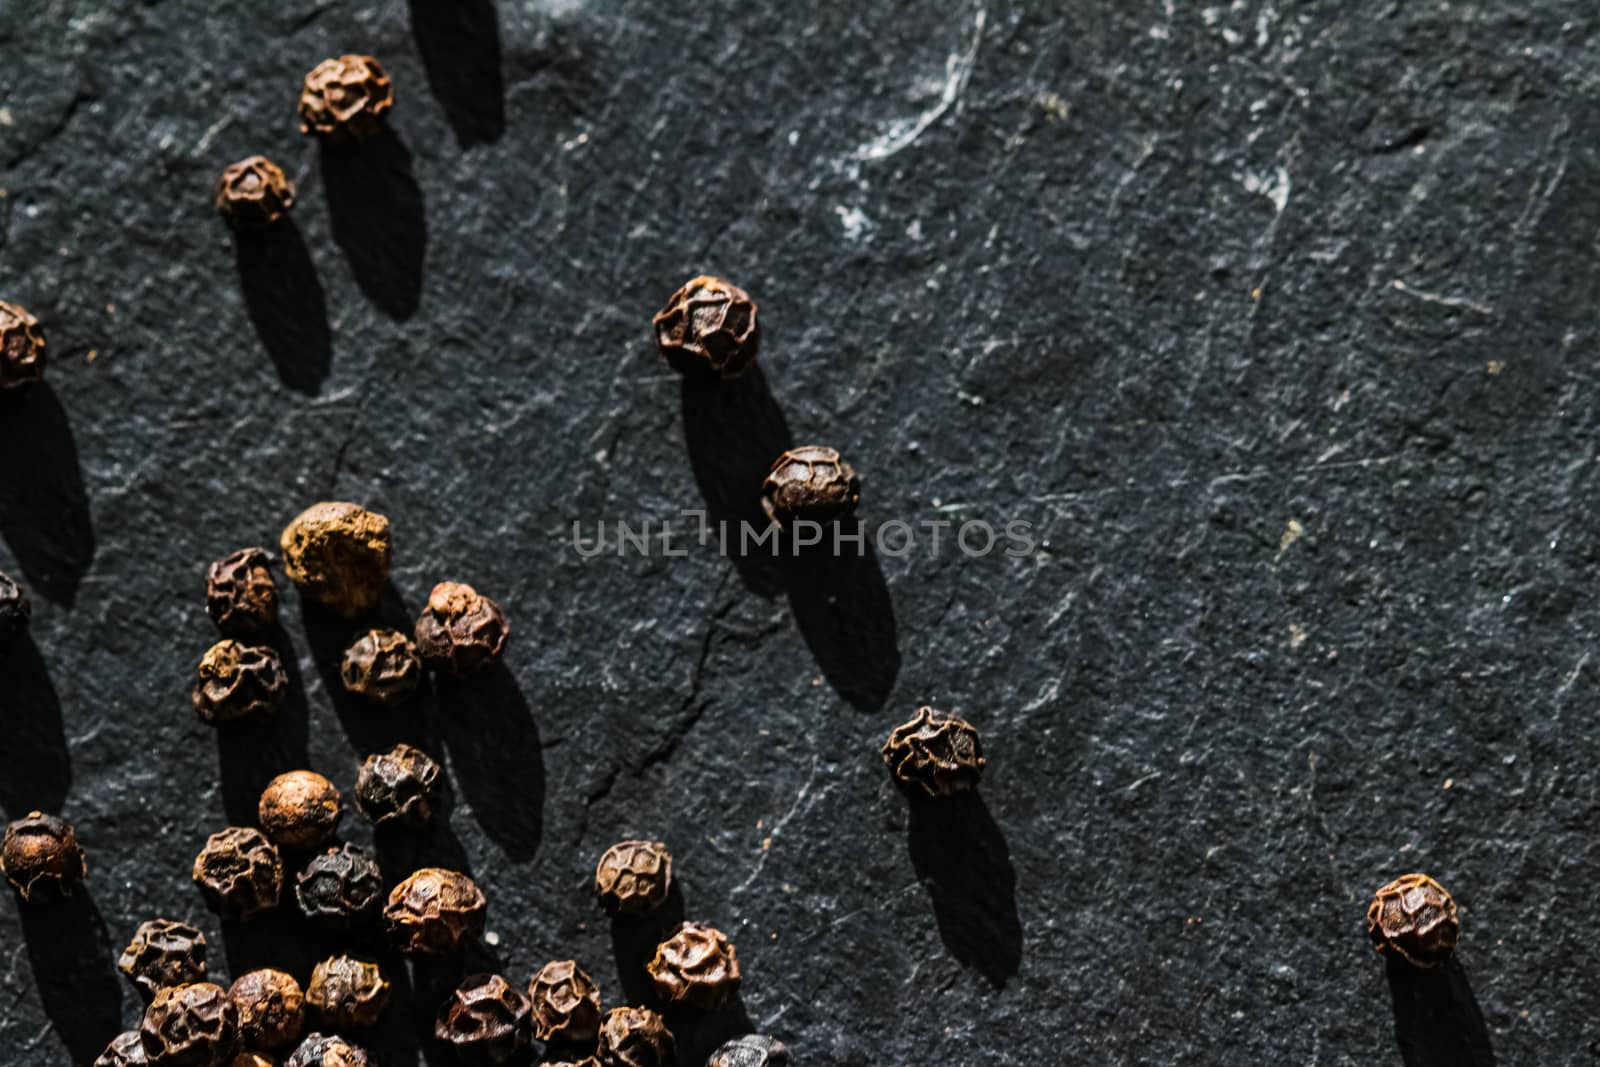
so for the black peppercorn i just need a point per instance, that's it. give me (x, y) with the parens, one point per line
(1416, 919)
(300, 810)
(341, 888)
(347, 993)
(811, 483)
(16, 611)
(22, 358)
(633, 877)
(254, 193)
(635, 1037)
(460, 631)
(125, 1050)
(697, 967)
(346, 99)
(751, 1050)
(338, 554)
(271, 1007)
(398, 787)
(239, 873)
(708, 329)
(435, 912)
(318, 1050)
(40, 856)
(241, 596)
(164, 952)
(485, 1019)
(237, 680)
(566, 1003)
(936, 752)
(192, 1025)
(383, 666)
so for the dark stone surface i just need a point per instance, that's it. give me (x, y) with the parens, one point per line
(1276, 320)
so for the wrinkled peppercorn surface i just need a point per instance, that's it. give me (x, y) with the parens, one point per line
(125, 1050)
(192, 1025)
(633, 877)
(565, 1002)
(1415, 918)
(338, 554)
(347, 993)
(329, 1050)
(254, 193)
(811, 483)
(271, 1008)
(751, 1050)
(16, 610)
(40, 856)
(485, 1018)
(241, 594)
(696, 966)
(22, 355)
(635, 1037)
(346, 99)
(435, 912)
(164, 952)
(300, 809)
(239, 872)
(936, 752)
(709, 328)
(382, 666)
(236, 680)
(398, 787)
(460, 631)
(341, 887)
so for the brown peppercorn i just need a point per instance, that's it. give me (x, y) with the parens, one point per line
(635, 1037)
(1416, 919)
(16, 611)
(347, 993)
(382, 666)
(341, 887)
(812, 483)
(239, 873)
(192, 1025)
(271, 1007)
(300, 809)
(22, 358)
(164, 952)
(398, 787)
(460, 631)
(237, 680)
(435, 912)
(751, 1050)
(696, 966)
(937, 752)
(125, 1050)
(709, 329)
(252, 1059)
(241, 596)
(40, 855)
(254, 193)
(633, 877)
(346, 99)
(318, 1050)
(338, 554)
(566, 1003)
(485, 1019)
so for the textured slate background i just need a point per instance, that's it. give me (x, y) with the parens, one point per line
(1275, 320)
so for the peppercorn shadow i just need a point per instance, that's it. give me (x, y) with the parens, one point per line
(842, 607)
(44, 510)
(1437, 1020)
(35, 769)
(698, 1034)
(286, 304)
(70, 953)
(459, 41)
(962, 858)
(376, 210)
(633, 944)
(254, 750)
(496, 756)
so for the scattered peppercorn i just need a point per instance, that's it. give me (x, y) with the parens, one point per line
(566, 1003)
(341, 887)
(237, 680)
(22, 358)
(382, 666)
(187, 1025)
(708, 329)
(633, 877)
(346, 99)
(254, 193)
(812, 483)
(460, 631)
(435, 912)
(239, 873)
(936, 751)
(271, 1009)
(241, 596)
(398, 787)
(40, 855)
(16, 610)
(338, 554)
(164, 952)
(696, 966)
(319, 1050)
(125, 1050)
(347, 993)
(1415, 918)
(300, 809)
(485, 1019)
(635, 1037)
(751, 1050)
